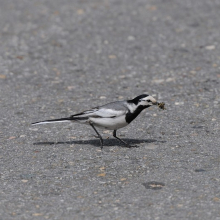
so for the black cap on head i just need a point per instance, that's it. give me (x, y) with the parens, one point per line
(136, 99)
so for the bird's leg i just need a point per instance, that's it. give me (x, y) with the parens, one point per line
(114, 135)
(99, 136)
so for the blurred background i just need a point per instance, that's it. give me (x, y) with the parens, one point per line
(61, 57)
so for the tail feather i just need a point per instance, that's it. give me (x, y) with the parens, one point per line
(52, 121)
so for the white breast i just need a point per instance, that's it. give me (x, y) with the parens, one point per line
(109, 123)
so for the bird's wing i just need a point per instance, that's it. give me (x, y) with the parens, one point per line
(110, 110)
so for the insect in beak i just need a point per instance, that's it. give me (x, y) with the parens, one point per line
(161, 105)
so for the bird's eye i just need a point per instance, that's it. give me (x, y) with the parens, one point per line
(149, 100)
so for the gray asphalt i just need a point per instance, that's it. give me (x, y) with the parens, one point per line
(62, 57)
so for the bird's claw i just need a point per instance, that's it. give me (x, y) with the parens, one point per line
(132, 146)
(135, 146)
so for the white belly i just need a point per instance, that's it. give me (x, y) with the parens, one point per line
(109, 123)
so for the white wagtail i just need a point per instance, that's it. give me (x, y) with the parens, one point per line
(111, 116)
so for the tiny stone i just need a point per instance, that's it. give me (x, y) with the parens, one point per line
(158, 81)
(170, 79)
(102, 97)
(80, 11)
(153, 185)
(37, 214)
(101, 174)
(179, 103)
(216, 199)
(200, 170)
(33, 129)
(2, 76)
(193, 72)
(112, 57)
(106, 132)
(70, 88)
(210, 47)
(131, 38)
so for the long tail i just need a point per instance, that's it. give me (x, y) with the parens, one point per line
(52, 121)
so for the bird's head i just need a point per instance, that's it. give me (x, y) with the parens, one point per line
(145, 100)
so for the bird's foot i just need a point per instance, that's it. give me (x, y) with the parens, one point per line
(135, 146)
(131, 146)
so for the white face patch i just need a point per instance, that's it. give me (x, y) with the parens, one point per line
(132, 107)
(149, 100)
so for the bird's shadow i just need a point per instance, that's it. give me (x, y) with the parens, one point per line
(95, 142)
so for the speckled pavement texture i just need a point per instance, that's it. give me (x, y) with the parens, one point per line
(58, 58)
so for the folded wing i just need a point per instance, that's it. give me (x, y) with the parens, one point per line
(110, 110)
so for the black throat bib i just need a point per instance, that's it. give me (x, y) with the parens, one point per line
(131, 116)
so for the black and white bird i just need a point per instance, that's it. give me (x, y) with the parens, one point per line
(111, 116)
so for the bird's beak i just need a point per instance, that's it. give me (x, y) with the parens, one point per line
(155, 103)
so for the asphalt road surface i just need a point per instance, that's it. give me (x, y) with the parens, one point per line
(60, 57)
